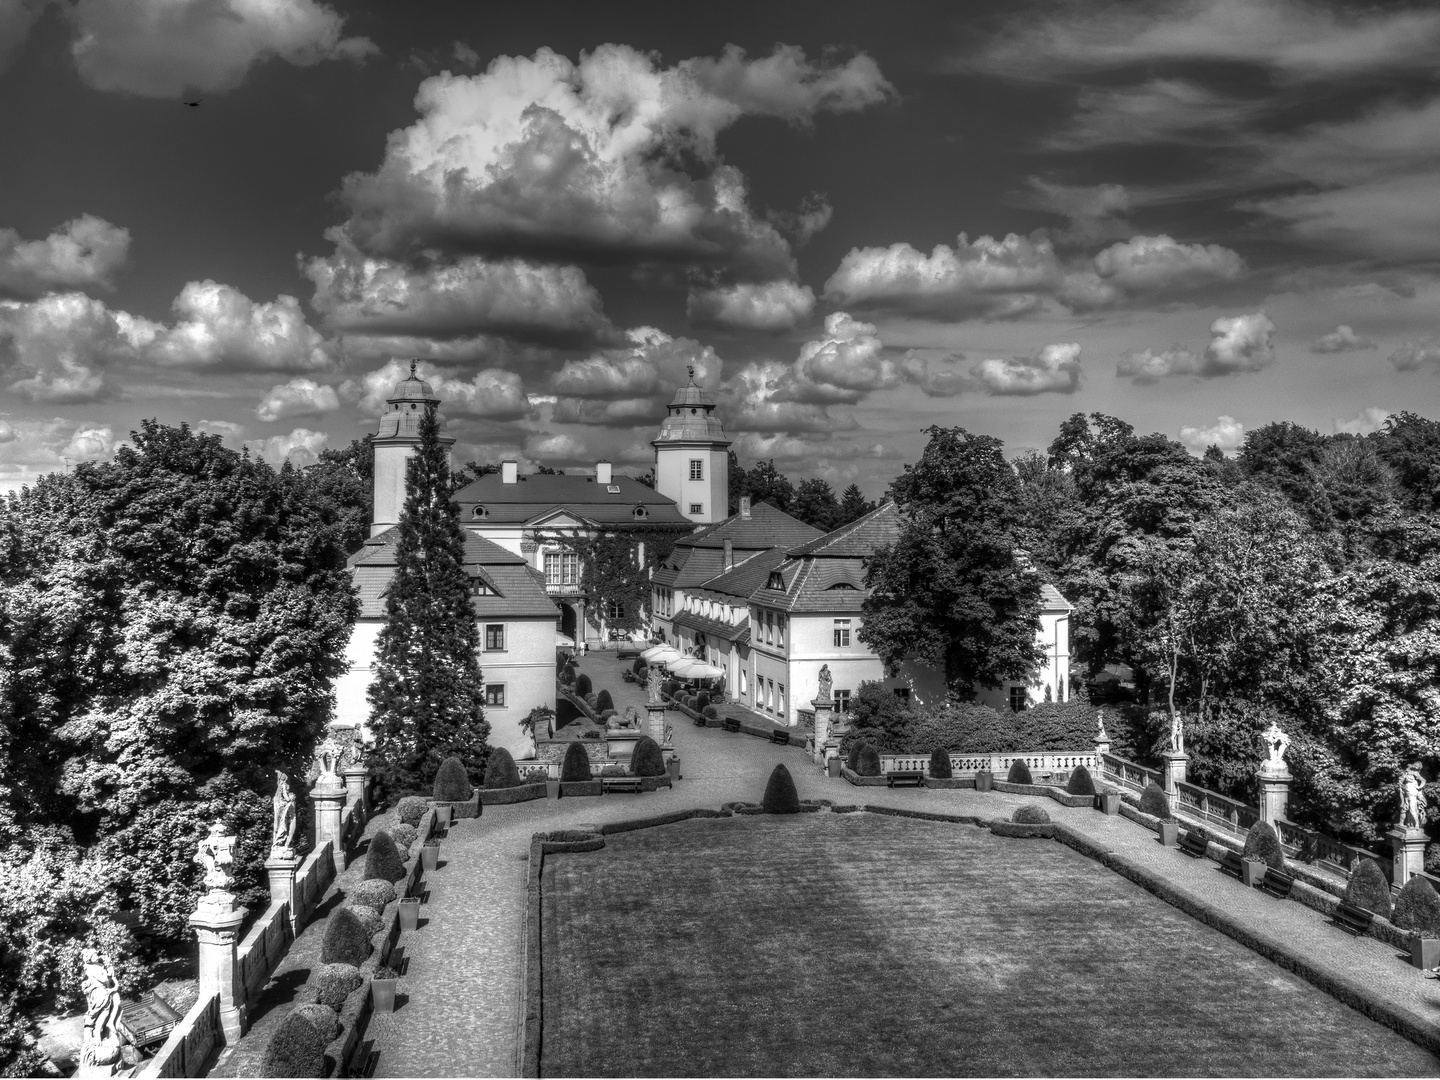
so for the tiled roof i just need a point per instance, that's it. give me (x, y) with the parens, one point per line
(536, 495)
(699, 565)
(859, 539)
(744, 579)
(714, 627)
(1051, 599)
(766, 527)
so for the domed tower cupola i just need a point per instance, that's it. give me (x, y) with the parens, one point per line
(395, 442)
(692, 463)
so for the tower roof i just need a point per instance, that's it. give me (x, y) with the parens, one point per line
(691, 418)
(692, 395)
(406, 407)
(412, 388)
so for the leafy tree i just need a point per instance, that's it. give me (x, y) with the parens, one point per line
(853, 505)
(765, 483)
(1410, 446)
(647, 478)
(735, 481)
(426, 696)
(878, 715)
(1046, 505)
(815, 504)
(546, 470)
(470, 472)
(615, 566)
(951, 591)
(347, 478)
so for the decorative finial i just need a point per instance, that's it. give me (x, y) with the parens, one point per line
(413, 362)
(691, 368)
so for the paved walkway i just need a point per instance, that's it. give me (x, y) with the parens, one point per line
(459, 1011)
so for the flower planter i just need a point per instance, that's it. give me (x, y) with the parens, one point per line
(1108, 802)
(442, 815)
(673, 768)
(1169, 833)
(382, 993)
(1252, 872)
(833, 766)
(430, 856)
(552, 789)
(409, 913)
(984, 780)
(1425, 952)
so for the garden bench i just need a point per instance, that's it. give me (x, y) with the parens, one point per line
(1232, 861)
(622, 783)
(1193, 843)
(780, 735)
(1351, 919)
(731, 723)
(1277, 883)
(905, 778)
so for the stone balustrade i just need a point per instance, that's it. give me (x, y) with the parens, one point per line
(970, 764)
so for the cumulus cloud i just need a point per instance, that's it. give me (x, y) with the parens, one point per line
(446, 300)
(558, 446)
(1014, 276)
(298, 397)
(1055, 369)
(61, 347)
(161, 48)
(1366, 421)
(34, 446)
(226, 428)
(16, 19)
(89, 444)
(1341, 339)
(219, 327)
(1239, 343)
(609, 159)
(774, 305)
(1095, 212)
(619, 412)
(1414, 355)
(86, 252)
(1227, 433)
(1147, 366)
(648, 370)
(847, 363)
(301, 447)
(490, 394)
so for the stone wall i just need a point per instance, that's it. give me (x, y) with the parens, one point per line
(187, 1051)
(263, 948)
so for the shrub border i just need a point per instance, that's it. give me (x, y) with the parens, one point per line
(1023, 830)
(470, 808)
(862, 781)
(503, 796)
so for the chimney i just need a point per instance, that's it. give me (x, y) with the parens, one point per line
(745, 507)
(509, 472)
(602, 472)
(729, 555)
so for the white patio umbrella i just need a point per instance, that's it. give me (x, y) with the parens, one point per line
(668, 656)
(562, 641)
(655, 650)
(701, 670)
(682, 666)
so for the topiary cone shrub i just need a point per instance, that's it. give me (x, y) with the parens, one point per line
(345, 940)
(411, 809)
(325, 1019)
(382, 859)
(940, 764)
(604, 701)
(702, 701)
(1154, 803)
(1262, 843)
(1368, 889)
(1030, 814)
(867, 762)
(780, 794)
(710, 712)
(334, 983)
(1417, 908)
(452, 782)
(373, 893)
(1019, 773)
(500, 770)
(1081, 782)
(852, 756)
(646, 759)
(297, 1048)
(404, 836)
(582, 685)
(368, 917)
(576, 767)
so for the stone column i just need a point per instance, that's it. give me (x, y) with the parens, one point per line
(328, 800)
(655, 711)
(824, 711)
(354, 777)
(1172, 773)
(1274, 792)
(216, 922)
(1407, 847)
(280, 867)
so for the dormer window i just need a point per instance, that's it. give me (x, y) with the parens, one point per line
(641, 512)
(482, 589)
(842, 585)
(480, 512)
(777, 581)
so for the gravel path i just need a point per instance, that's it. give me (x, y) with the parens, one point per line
(458, 1011)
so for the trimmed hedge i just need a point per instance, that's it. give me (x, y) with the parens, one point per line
(1262, 843)
(1417, 908)
(780, 794)
(583, 686)
(1368, 889)
(710, 712)
(867, 762)
(369, 918)
(297, 1048)
(702, 701)
(1154, 803)
(412, 808)
(452, 782)
(324, 1019)
(500, 770)
(404, 836)
(576, 767)
(1080, 782)
(382, 859)
(334, 983)
(374, 893)
(1030, 814)
(603, 701)
(346, 940)
(646, 759)
(1019, 773)
(940, 764)
(971, 728)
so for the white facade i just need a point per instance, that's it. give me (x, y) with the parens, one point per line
(703, 500)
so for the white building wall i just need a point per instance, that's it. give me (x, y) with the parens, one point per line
(812, 646)
(389, 490)
(672, 479)
(351, 706)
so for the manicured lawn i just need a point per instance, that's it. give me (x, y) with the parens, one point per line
(860, 945)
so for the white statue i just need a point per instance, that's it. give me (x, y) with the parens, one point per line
(1177, 732)
(825, 683)
(1412, 798)
(217, 854)
(327, 754)
(1101, 735)
(282, 820)
(1276, 743)
(652, 685)
(101, 1043)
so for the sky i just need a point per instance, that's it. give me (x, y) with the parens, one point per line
(854, 220)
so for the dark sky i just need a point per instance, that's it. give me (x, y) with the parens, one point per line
(856, 220)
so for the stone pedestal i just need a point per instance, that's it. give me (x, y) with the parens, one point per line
(655, 715)
(1173, 766)
(1274, 793)
(216, 923)
(1407, 847)
(280, 867)
(355, 787)
(329, 803)
(824, 717)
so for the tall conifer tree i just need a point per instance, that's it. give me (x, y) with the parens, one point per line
(427, 699)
